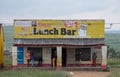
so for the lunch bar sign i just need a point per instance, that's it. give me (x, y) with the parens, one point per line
(52, 29)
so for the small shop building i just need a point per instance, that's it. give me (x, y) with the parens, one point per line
(73, 42)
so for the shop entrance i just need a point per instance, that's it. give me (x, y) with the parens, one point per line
(54, 55)
(64, 57)
(37, 54)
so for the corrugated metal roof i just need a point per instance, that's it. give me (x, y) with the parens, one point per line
(70, 41)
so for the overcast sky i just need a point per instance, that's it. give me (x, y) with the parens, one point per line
(61, 9)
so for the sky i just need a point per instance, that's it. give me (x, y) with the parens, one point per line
(109, 10)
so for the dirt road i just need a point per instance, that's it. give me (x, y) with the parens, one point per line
(89, 74)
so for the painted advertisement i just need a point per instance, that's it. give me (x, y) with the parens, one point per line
(31, 29)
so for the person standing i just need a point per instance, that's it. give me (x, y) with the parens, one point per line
(32, 59)
(28, 58)
(54, 59)
(94, 56)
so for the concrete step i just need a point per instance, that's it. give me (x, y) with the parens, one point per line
(63, 68)
(82, 68)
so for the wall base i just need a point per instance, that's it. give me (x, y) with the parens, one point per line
(104, 67)
(1, 65)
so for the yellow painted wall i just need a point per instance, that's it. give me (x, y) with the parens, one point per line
(1, 46)
(59, 29)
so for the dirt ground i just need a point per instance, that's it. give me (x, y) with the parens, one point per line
(89, 74)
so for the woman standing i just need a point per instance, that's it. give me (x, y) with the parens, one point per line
(28, 58)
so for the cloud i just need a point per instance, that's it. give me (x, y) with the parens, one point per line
(60, 9)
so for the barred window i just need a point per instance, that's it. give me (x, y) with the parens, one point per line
(83, 54)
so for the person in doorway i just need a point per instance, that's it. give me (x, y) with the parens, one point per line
(28, 58)
(94, 56)
(54, 59)
(53, 62)
(32, 59)
(40, 61)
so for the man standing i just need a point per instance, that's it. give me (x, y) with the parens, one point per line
(28, 58)
(54, 59)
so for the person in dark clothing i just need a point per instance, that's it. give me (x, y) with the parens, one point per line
(94, 56)
(54, 59)
(39, 61)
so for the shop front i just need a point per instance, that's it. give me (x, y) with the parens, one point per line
(71, 42)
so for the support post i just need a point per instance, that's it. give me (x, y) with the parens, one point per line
(59, 57)
(14, 57)
(104, 58)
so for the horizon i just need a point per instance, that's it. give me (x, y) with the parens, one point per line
(106, 30)
(63, 9)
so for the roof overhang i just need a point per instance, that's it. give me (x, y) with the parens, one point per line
(59, 42)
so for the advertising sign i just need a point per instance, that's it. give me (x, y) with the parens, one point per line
(31, 29)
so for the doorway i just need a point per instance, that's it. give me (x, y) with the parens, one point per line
(36, 52)
(54, 55)
(64, 57)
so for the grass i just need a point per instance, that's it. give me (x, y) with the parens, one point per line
(28, 72)
(7, 61)
(113, 40)
(114, 62)
(115, 72)
(32, 73)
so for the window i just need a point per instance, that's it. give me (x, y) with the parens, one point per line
(83, 54)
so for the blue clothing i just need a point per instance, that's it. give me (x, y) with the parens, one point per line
(32, 60)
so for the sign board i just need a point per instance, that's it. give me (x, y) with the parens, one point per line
(34, 29)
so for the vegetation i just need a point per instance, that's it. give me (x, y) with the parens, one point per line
(114, 62)
(112, 53)
(8, 35)
(32, 73)
(113, 41)
(115, 73)
(7, 61)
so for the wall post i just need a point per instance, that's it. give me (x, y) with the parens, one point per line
(59, 57)
(104, 58)
(14, 56)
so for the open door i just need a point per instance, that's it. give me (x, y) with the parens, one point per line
(64, 57)
(54, 54)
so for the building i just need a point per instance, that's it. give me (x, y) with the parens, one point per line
(1, 47)
(72, 41)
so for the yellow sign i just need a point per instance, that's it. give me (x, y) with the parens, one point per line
(31, 29)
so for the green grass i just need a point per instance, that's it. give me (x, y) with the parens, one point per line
(32, 73)
(113, 40)
(28, 72)
(114, 62)
(115, 73)
(7, 61)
